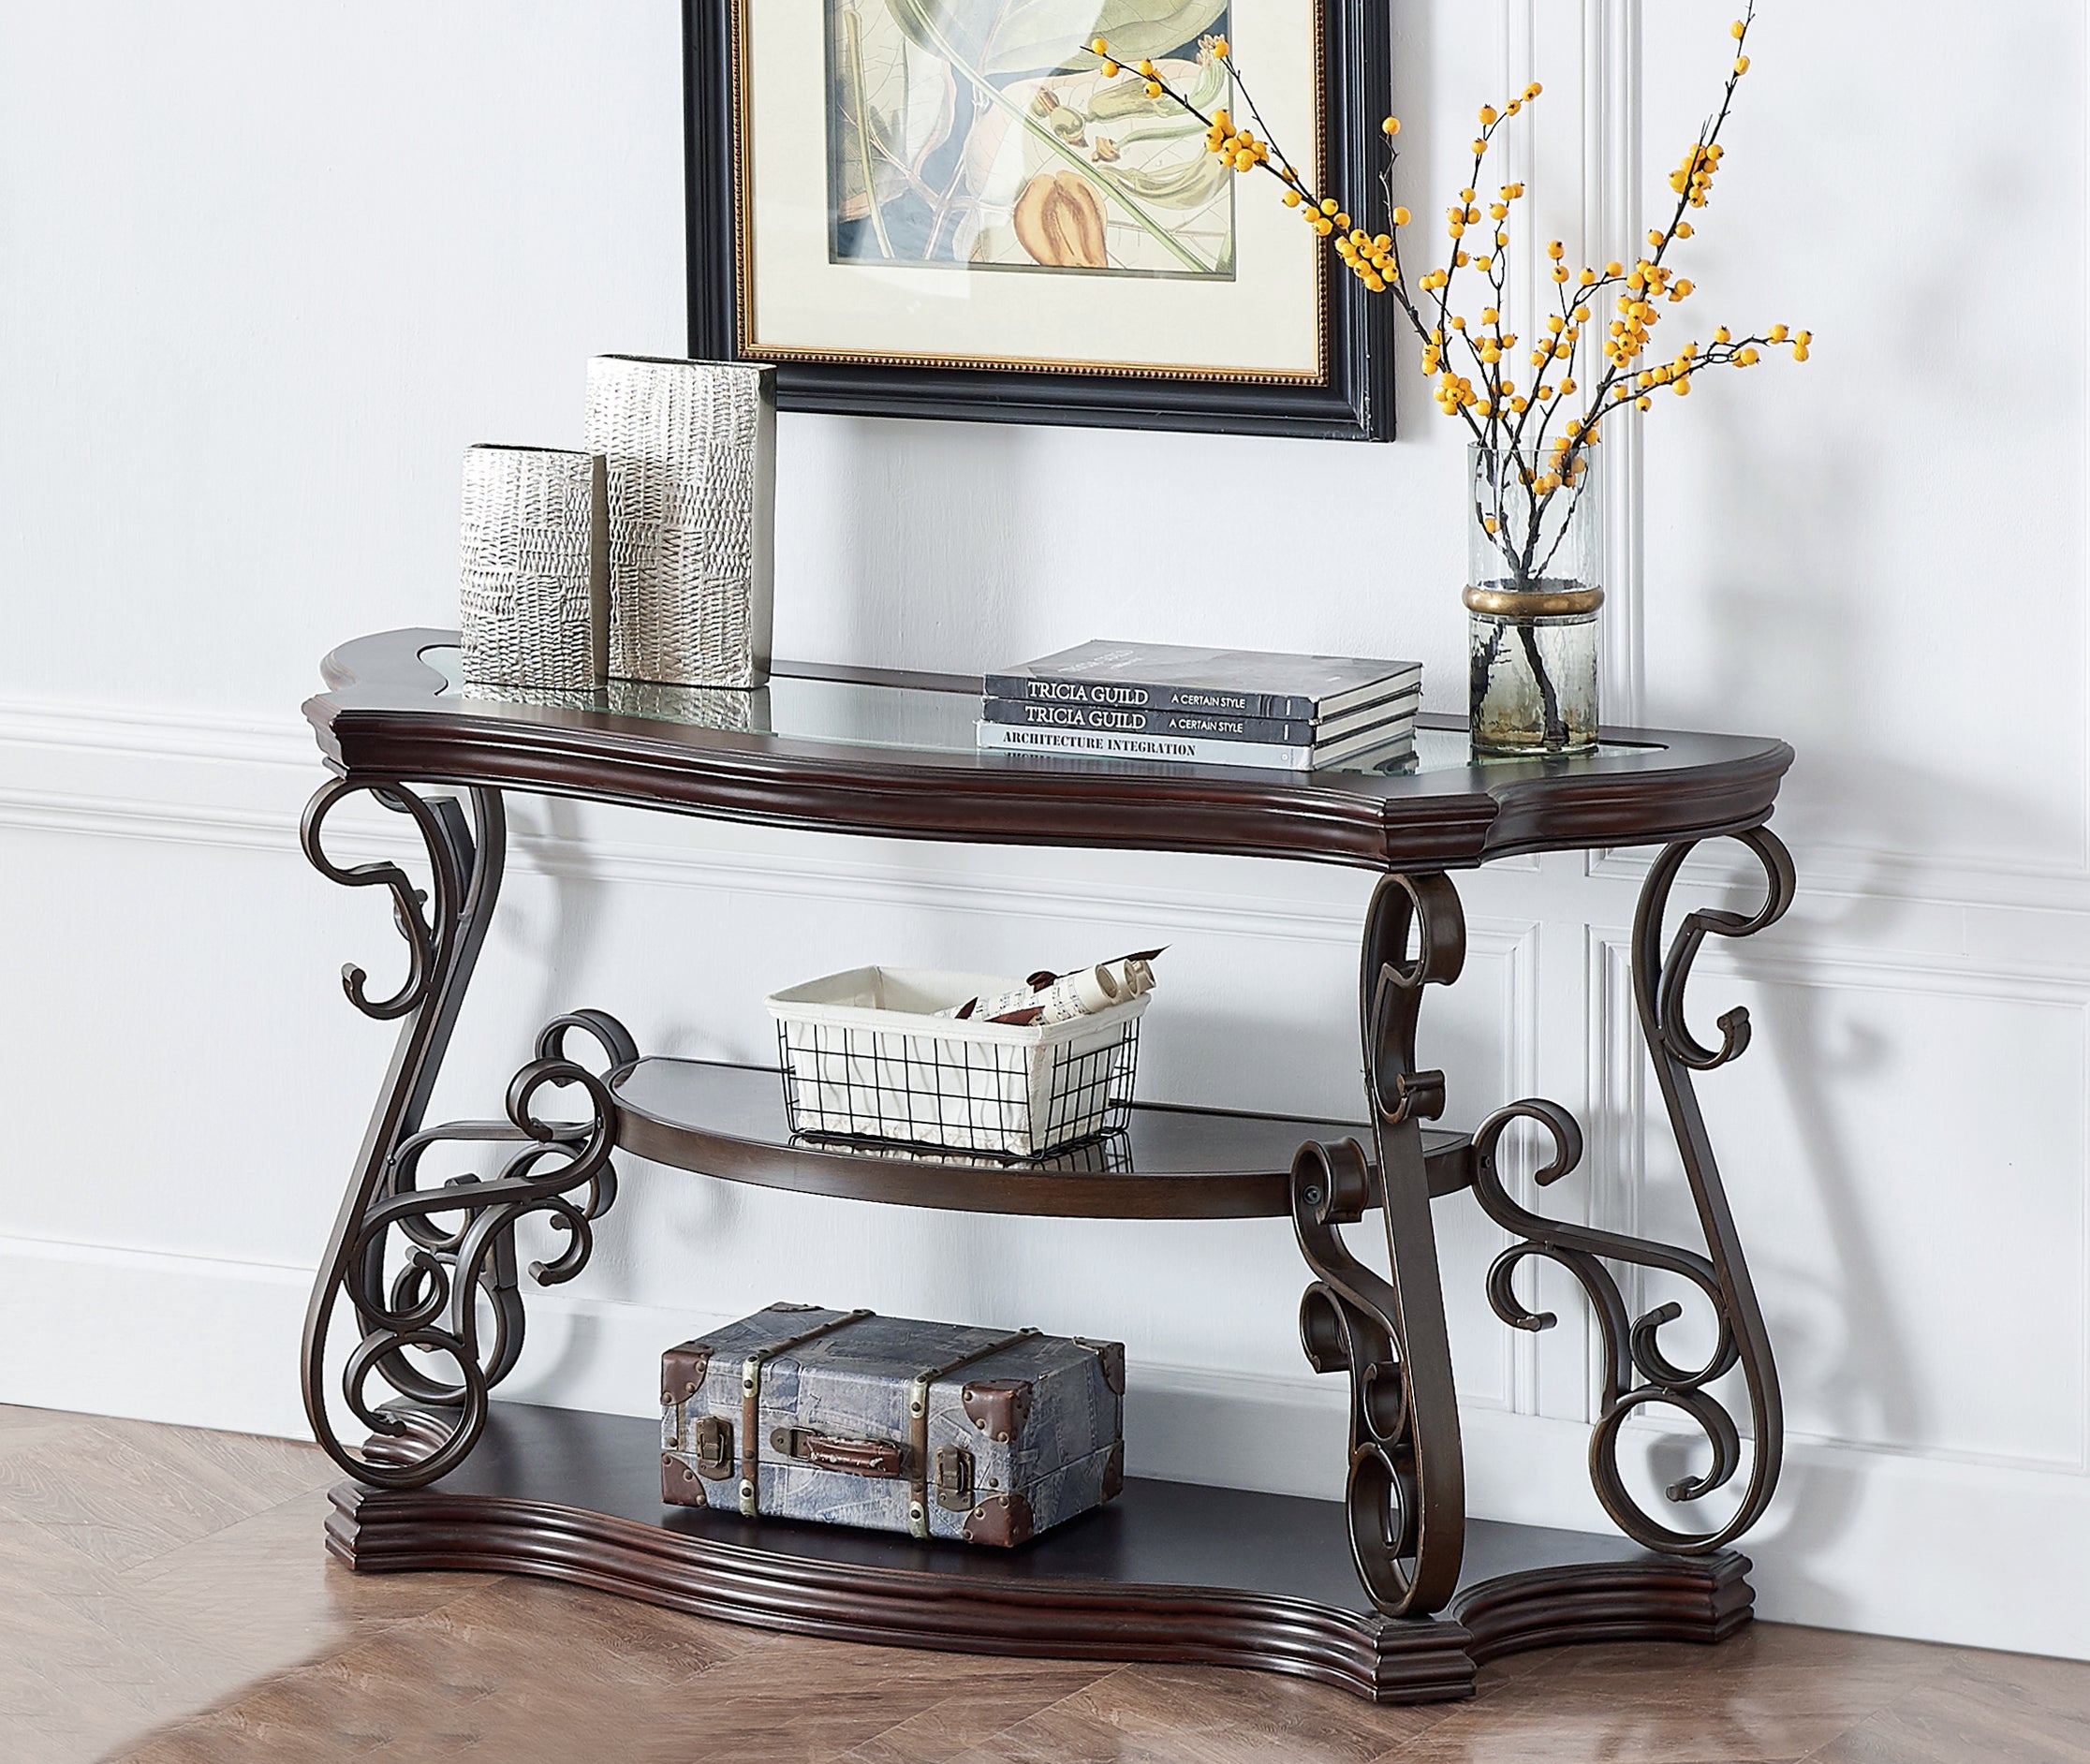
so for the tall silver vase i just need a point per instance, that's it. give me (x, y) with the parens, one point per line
(692, 456)
(534, 569)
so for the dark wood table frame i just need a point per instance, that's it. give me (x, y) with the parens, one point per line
(433, 1266)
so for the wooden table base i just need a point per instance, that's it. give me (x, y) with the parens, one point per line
(1168, 1571)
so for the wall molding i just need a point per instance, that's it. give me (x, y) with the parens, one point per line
(1615, 1036)
(58, 759)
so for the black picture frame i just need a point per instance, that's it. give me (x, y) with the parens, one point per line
(1352, 402)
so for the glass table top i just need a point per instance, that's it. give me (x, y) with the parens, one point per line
(858, 713)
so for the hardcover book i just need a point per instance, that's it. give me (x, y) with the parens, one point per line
(1371, 748)
(1117, 719)
(1175, 677)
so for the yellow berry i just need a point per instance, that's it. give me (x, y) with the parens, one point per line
(1099, 46)
(1742, 64)
(1488, 116)
(1146, 67)
(1112, 70)
(1532, 91)
(1738, 29)
(1391, 127)
(1154, 88)
(1329, 205)
(1556, 251)
(1682, 229)
(1400, 217)
(1778, 334)
(1799, 352)
(1220, 48)
(1291, 198)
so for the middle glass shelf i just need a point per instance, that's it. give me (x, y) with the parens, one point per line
(1171, 1163)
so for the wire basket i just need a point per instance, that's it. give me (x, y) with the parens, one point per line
(865, 1058)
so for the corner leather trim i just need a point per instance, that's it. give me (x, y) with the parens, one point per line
(682, 1371)
(999, 1407)
(1003, 1522)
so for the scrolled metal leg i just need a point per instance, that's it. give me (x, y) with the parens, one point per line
(458, 1238)
(1405, 1492)
(1638, 1372)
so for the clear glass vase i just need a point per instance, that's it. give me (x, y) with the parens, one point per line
(1533, 587)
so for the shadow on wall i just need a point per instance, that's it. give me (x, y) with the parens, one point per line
(948, 557)
(1829, 1332)
(1797, 633)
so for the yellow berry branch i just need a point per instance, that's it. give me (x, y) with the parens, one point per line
(1513, 424)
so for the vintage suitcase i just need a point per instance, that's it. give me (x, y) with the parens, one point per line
(853, 1419)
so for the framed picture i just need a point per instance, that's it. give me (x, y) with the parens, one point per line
(948, 208)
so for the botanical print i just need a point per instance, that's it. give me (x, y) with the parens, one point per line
(983, 134)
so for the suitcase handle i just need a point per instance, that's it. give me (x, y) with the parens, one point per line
(858, 1457)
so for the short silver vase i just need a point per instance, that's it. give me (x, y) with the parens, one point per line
(1532, 592)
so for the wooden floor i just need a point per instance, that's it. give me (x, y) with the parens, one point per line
(163, 1599)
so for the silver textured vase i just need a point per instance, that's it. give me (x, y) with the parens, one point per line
(534, 569)
(692, 453)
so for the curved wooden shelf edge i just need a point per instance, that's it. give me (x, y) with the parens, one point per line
(1175, 1600)
(382, 716)
(956, 1186)
(386, 1532)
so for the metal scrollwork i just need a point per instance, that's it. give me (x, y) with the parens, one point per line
(430, 1270)
(1638, 1372)
(1405, 1492)
(451, 854)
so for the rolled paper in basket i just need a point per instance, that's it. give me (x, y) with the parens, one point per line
(1055, 998)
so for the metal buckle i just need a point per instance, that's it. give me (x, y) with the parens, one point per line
(711, 1442)
(954, 1479)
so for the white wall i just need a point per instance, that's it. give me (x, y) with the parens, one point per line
(265, 270)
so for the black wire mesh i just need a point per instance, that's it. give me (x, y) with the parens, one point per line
(1008, 1100)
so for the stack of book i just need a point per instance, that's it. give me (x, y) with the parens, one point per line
(1209, 707)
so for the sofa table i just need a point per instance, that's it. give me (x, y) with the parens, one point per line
(1392, 1592)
